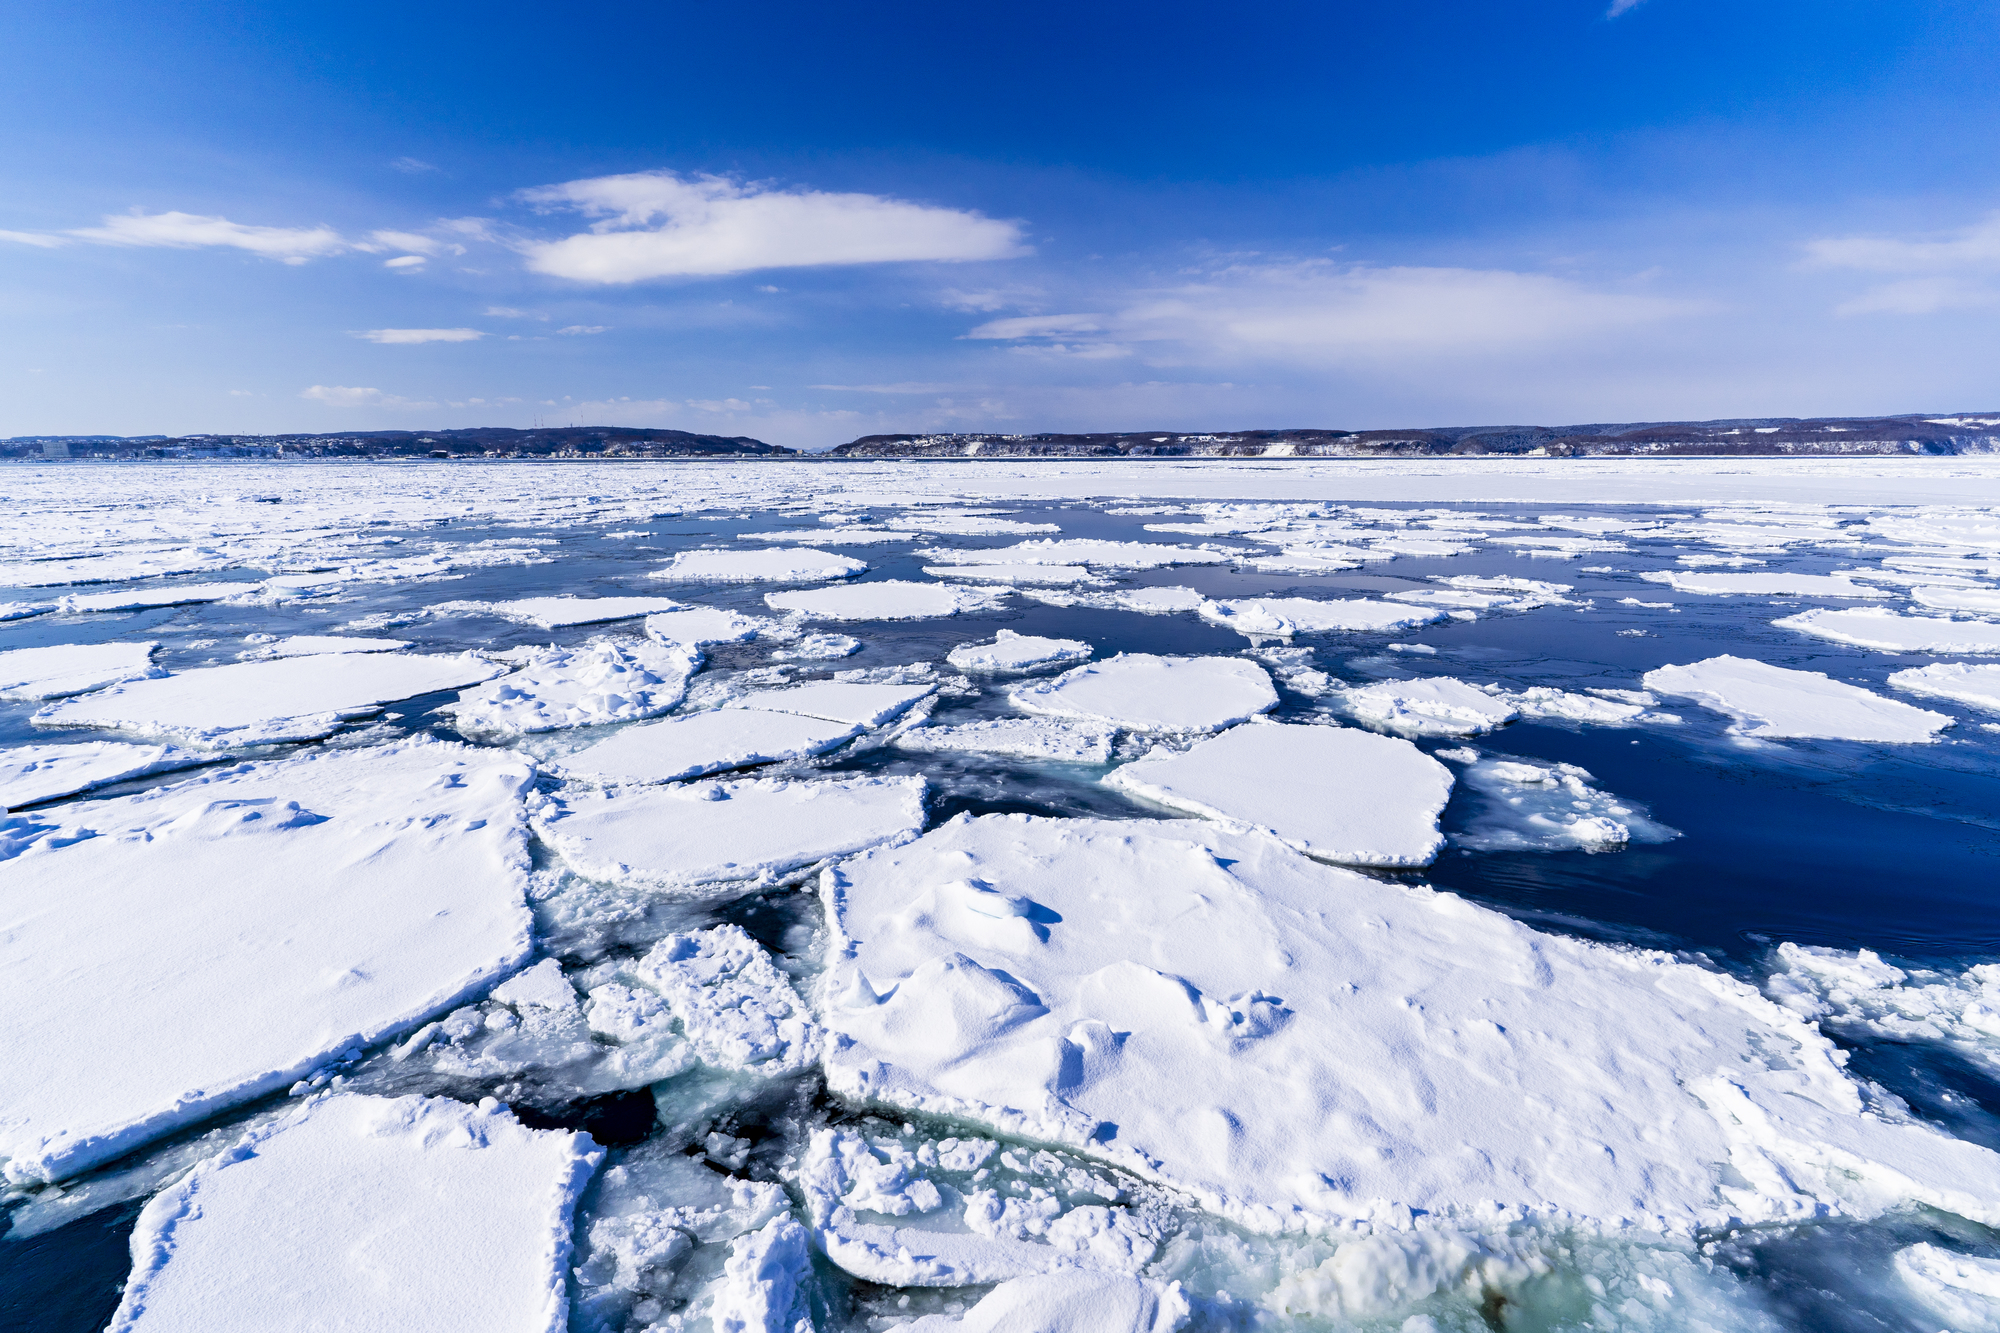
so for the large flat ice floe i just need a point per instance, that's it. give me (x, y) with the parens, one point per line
(1880, 628)
(856, 702)
(171, 954)
(1021, 737)
(1016, 652)
(259, 703)
(776, 564)
(365, 1213)
(73, 668)
(1283, 617)
(720, 832)
(138, 599)
(1432, 706)
(1040, 574)
(710, 742)
(698, 626)
(312, 645)
(598, 682)
(31, 773)
(1335, 793)
(1069, 1302)
(1142, 692)
(1960, 682)
(556, 612)
(1084, 551)
(1773, 701)
(890, 599)
(1344, 1050)
(1765, 585)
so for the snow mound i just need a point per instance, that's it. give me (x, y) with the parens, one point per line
(73, 668)
(1774, 701)
(200, 945)
(1959, 1289)
(1142, 692)
(1016, 652)
(1433, 706)
(1084, 551)
(776, 564)
(138, 599)
(259, 703)
(1057, 574)
(602, 681)
(32, 773)
(556, 612)
(697, 626)
(1767, 585)
(1523, 806)
(685, 747)
(1878, 627)
(1960, 682)
(713, 832)
(890, 599)
(734, 1007)
(1024, 738)
(312, 645)
(1285, 616)
(860, 703)
(818, 648)
(1069, 1302)
(1343, 1049)
(366, 1212)
(1332, 792)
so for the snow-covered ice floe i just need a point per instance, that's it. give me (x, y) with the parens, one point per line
(859, 702)
(683, 837)
(1961, 1290)
(1524, 806)
(1048, 977)
(1083, 551)
(33, 773)
(174, 953)
(312, 645)
(1980, 601)
(1878, 627)
(1859, 994)
(710, 742)
(1432, 706)
(1016, 652)
(775, 564)
(259, 703)
(699, 626)
(1335, 793)
(1144, 692)
(1773, 701)
(73, 668)
(1766, 585)
(1021, 737)
(601, 681)
(890, 599)
(556, 612)
(365, 1212)
(1283, 617)
(1146, 601)
(1046, 574)
(1069, 1302)
(1961, 682)
(138, 599)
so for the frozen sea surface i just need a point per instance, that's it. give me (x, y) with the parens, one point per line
(916, 882)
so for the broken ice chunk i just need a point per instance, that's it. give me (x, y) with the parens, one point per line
(863, 704)
(1016, 652)
(890, 599)
(1283, 617)
(1070, 1302)
(1880, 628)
(1025, 738)
(1147, 693)
(138, 599)
(73, 668)
(724, 738)
(1960, 682)
(307, 645)
(735, 1008)
(556, 612)
(32, 773)
(1960, 1289)
(772, 565)
(1547, 807)
(1774, 701)
(1435, 706)
(601, 681)
(1045, 574)
(1084, 551)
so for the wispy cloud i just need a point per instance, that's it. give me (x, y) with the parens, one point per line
(581, 329)
(1620, 7)
(344, 395)
(912, 387)
(405, 336)
(41, 240)
(659, 225)
(187, 231)
(411, 166)
(1948, 270)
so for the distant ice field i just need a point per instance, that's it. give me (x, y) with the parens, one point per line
(1393, 895)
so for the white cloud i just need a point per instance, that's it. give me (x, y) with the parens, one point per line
(402, 336)
(1619, 7)
(1039, 326)
(1921, 296)
(1948, 270)
(343, 395)
(915, 387)
(293, 245)
(411, 166)
(509, 312)
(34, 238)
(659, 225)
(404, 262)
(585, 328)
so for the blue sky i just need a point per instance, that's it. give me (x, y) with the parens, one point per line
(811, 222)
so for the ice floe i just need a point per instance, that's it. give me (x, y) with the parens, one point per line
(73, 668)
(1773, 701)
(138, 599)
(1960, 682)
(1144, 692)
(774, 564)
(556, 612)
(707, 742)
(1980, 601)
(890, 599)
(258, 703)
(1962, 1290)
(1021, 737)
(1283, 617)
(1083, 551)
(366, 1212)
(818, 648)
(699, 626)
(1432, 706)
(1766, 585)
(1017, 652)
(601, 681)
(1858, 994)
(167, 955)
(683, 837)
(1308, 560)
(1524, 806)
(732, 1006)
(1335, 793)
(1047, 977)
(1069, 1302)
(861, 703)
(311, 645)
(1879, 627)
(33, 773)
(1052, 574)
(1146, 601)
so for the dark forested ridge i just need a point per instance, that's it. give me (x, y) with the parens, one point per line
(474, 442)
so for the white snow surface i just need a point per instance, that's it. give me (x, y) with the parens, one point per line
(1022, 737)
(167, 955)
(1774, 702)
(312, 645)
(857, 702)
(1146, 601)
(684, 747)
(258, 703)
(1860, 993)
(773, 564)
(1878, 627)
(1069, 1302)
(889, 599)
(1961, 682)
(31, 773)
(556, 612)
(733, 1006)
(1144, 692)
(682, 837)
(137, 599)
(601, 681)
(1016, 652)
(1335, 793)
(73, 668)
(1046, 574)
(697, 626)
(1342, 1049)
(365, 1213)
(1083, 551)
(1524, 806)
(1768, 585)
(1981, 601)
(1283, 617)
(1961, 1290)
(1431, 706)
